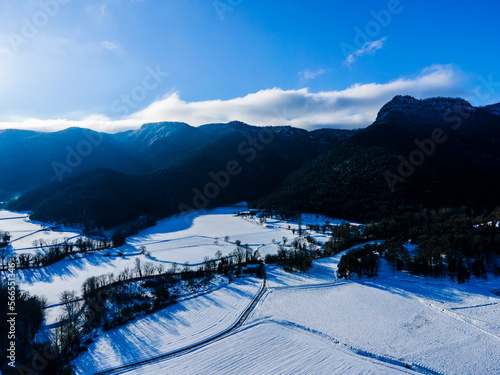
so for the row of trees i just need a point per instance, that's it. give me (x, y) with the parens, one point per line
(52, 253)
(343, 237)
(110, 301)
(297, 256)
(449, 242)
(28, 318)
(56, 251)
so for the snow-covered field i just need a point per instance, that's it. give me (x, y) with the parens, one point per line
(181, 325)
(178, 240)
(270, 349)
(386, 321)
(25, 231)
(311, 323)
(173, 240)
(305, 323)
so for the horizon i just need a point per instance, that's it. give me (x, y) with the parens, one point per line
(314, 128)
(114, 65)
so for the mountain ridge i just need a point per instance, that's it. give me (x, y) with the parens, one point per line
(262, 157)
(30, 159)
(384, 168)
(360, 175)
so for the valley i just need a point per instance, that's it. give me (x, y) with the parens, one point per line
(307, 322)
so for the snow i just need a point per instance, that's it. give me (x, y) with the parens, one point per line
(385, 321)
(438, 323)
(183, 324)
(312, 323)
(178, 240)
(306, 322)
(25, 231)
(70, 273)
(173, 240)
(270, 349)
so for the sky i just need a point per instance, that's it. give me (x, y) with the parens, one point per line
(112, 65)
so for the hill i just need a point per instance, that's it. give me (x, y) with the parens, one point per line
(233, 162)
(436, 152)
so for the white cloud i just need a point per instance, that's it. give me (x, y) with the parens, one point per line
(369, 48)
(353, 107)
(109, 45)
(311, 74)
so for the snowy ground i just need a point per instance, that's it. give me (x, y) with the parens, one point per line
(437, 323)
(306, 323)
(173, 240)
(270, 349)
(311, 323)
(24, 232)
(179, 326)
(176, 239)
(388, 322)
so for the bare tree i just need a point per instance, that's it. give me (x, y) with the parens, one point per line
(240, 254)
(138, 268)
(174, 268)
(149, 269)
(160, 268)
(71, 308)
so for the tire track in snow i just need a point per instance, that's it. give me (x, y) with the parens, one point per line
(310, 286)
(243, 317)
(379, 358)
(462, 318)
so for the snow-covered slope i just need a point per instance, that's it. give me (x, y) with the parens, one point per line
(179, 326)
(271, 349)
(23, 232)
(309, 323)
(312, 323)
(173, 240)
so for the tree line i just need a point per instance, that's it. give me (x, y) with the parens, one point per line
(52, 253)
(454, 242)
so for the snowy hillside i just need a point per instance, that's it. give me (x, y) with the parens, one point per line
(311, 323)
(24, 232)
(303, 322)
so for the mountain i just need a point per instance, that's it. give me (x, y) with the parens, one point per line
(435, 152)
(159, 144)
(189, 168)
(31, 159)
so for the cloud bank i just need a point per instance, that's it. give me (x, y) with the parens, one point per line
(353, 107)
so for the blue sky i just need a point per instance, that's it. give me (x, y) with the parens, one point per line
(115, 64)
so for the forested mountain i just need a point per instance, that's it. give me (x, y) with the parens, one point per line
(436, 152)
(210, 165)
(30, 159)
